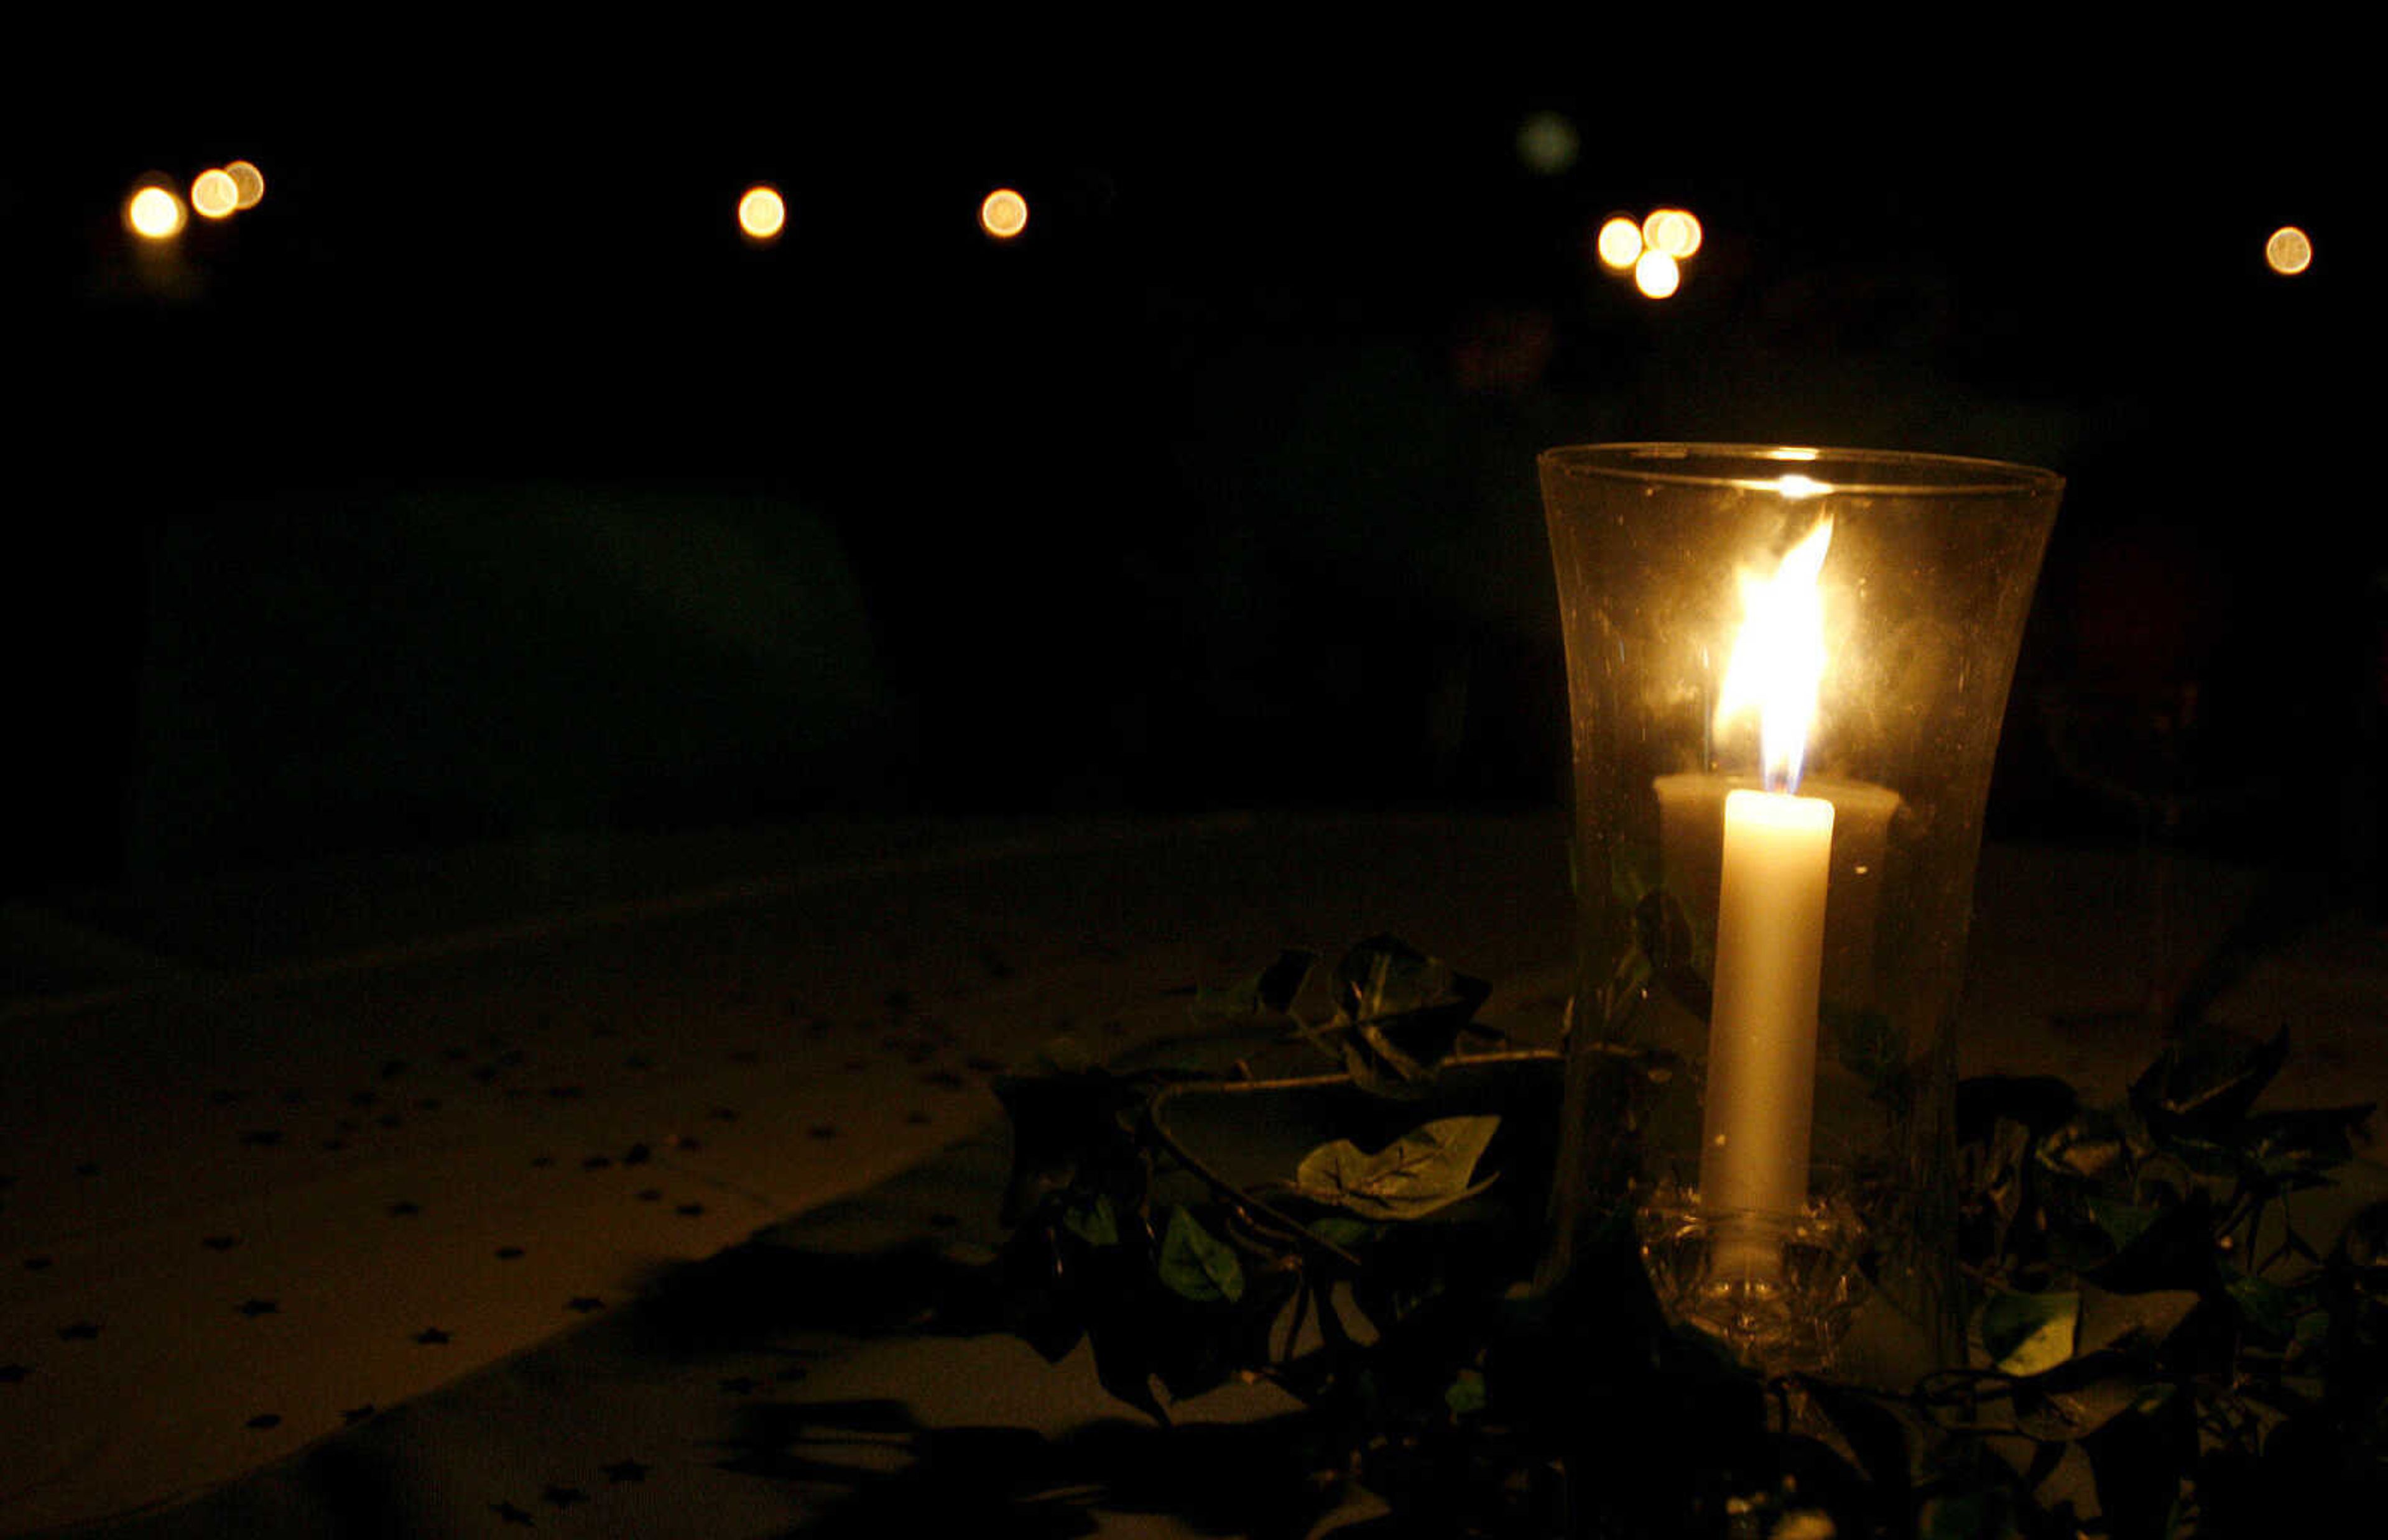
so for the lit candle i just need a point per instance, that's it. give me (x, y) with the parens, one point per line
(1761, 1081)
(1771, 900)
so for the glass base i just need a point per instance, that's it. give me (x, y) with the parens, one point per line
(1779, 1290)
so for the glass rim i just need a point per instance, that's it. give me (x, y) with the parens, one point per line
(1957, 475)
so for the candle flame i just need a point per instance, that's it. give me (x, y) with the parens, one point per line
(1778, 659)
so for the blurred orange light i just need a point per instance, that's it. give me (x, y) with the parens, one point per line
(247, 181)
(1673, 231)
(214, 195)
(1004, 214)
(2289, 250)
(1620, 243)
(762, 213)
(1656, 275)
(154, 214)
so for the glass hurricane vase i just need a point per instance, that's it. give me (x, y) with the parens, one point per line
(1786, 671)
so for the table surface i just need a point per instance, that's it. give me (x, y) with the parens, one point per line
(584, 1183)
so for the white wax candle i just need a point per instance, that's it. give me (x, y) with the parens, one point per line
(1761, 1078)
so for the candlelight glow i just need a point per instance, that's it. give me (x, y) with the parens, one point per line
(2289, 251)
(1778, 659)
(247, 181)
(1620, 243)
(214, 195)
(154, 214)
(762, 213)
(1004, 214)
(1656, 275)
(1673, 231)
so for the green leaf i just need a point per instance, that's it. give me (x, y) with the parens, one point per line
(1196, 1264)
(1266, 994)
(2110, 1319)
(2268, 1308)
(1425, 1169)
(1465, 1394)
(2317, 1136)
(1408, 1010)
(2123, 1222)
(2027, 1334)
(2206, 1082)
(2090, 1148)
(1094, 1223)
(1344, 1231)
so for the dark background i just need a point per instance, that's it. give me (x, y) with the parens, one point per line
(484, 483)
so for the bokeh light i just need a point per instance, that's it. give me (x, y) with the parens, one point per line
(1673, 231)
(214, 195)
(1004, 214)
(1656, 275)
(1620, 243)
(762, 213)
(2289, 250)
(1548, 143)
(247, 181)
(154, 214)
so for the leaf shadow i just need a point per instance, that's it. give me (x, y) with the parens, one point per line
(874, 1470)
(754, 1294)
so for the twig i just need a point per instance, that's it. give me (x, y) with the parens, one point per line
(1284, 1225)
